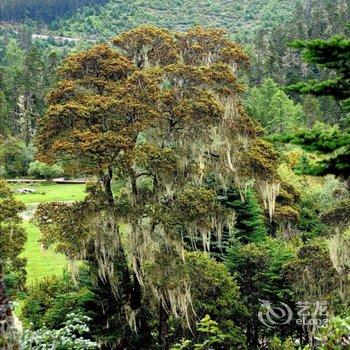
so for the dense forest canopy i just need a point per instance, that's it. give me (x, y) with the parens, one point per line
(240, 18)
(175, 175)
(41, 10)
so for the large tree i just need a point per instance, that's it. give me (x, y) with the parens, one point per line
(157, 117)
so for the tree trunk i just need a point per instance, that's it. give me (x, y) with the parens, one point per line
(131, 292)
(107, 184)
(253, 334)
(163, 327)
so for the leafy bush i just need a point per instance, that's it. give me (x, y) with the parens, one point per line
(42, 170)
(278, 344)
(71, 336)
(211, 334)
(335, 335)
(49, 301)
(15, 157)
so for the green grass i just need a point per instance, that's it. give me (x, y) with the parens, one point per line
(50, 193)
(41, 263)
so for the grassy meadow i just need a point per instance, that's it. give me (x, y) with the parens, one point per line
(46, 192)
(42, 263)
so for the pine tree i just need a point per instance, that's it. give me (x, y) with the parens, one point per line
(250, 224)
(13, 65)
(333, 143)
(332, 54)
(258, 268)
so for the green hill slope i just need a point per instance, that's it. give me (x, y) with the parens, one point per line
(241, 18)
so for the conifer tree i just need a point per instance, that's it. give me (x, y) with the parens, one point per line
(332, 143)
(332, 54)
(250, 226)
(259, 271)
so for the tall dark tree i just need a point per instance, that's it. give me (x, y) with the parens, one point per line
(33, 91)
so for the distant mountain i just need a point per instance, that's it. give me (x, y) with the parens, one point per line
(241, 18)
